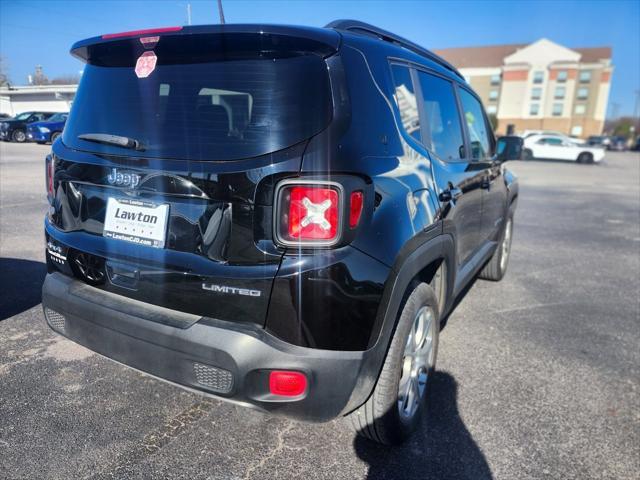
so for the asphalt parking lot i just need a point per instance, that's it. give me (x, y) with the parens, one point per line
(539, 375)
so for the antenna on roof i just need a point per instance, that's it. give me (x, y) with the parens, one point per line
(221, 12)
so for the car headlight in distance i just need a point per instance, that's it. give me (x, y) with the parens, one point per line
(44, 129)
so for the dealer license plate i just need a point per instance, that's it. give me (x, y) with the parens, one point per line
(136, 221)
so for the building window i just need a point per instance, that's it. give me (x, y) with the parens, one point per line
(585, 76)
(495, 79)
(534, 109)
(583, 93)
(493, 95)
(562, 76)
(576, 130)
(536, 93)
(557, 109)
(538, 77)
(492, 109)
(559, 93)
(580, 109)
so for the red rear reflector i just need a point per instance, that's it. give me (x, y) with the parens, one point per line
(355, 208)
(313, 213)
(287, 384)
(50, 172)
(141, 32)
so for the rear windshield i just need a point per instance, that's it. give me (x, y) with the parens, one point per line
(218, 110)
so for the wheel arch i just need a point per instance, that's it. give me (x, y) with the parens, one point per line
(411, 268)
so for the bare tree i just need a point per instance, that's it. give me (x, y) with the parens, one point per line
(4, 76)
(39, 78)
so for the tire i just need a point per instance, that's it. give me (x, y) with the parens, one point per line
(527, 154)
(585, 157)
(54, 136)
(19, 136)
(497, 265)
(389, 416)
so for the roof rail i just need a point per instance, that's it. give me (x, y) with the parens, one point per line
(356, 26)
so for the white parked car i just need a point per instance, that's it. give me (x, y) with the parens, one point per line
(552, 133)
(559, 148)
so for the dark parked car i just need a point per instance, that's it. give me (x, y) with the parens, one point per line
(15, 129)
(636, 146)
(618, 144)
(48, 130)
(4, 116)
(598, 141)
(283, 223)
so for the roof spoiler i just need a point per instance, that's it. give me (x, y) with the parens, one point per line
(355, 26)
(328, 41)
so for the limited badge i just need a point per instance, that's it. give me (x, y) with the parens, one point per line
(146, 64)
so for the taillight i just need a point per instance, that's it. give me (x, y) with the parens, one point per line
(309, 213)
(50, 166)
(355, 208)
(286, 383)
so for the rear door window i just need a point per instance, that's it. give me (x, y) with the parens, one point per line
(476, 125)
(442, 119)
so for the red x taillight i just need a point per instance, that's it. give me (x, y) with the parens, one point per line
(311, 213)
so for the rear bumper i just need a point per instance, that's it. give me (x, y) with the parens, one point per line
(229, 360)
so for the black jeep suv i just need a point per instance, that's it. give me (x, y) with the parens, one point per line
(278, 216)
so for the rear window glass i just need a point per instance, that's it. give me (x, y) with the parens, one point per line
(218, 110)
(406, 101)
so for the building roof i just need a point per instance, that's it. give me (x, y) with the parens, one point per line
(594, 54)
(493, 55)
(477, 57)
(31, 89)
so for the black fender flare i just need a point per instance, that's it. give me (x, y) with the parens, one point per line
(404, 270)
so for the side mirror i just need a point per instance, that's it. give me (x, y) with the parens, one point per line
(509, 148)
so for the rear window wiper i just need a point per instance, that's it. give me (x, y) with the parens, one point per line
(117, 140)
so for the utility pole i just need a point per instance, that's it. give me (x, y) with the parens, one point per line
(188, 14)
(615, 108)
(221, 12)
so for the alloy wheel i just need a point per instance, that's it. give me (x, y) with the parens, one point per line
(19, 136)
(506, 245)
(417, 362)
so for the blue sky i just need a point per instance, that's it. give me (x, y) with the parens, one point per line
(41, 32)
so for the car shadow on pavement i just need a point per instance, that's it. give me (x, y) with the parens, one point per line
(20, 284)
(441, 449)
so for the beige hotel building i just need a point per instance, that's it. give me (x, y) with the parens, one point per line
(539, 86)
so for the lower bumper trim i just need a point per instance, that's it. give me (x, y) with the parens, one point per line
(230, 360)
